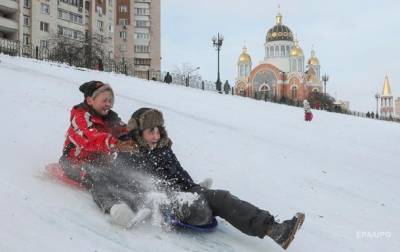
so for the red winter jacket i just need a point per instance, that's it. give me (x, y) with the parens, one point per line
(90, 135)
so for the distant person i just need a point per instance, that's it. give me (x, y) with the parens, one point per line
(372, 115)
(308, 116)
(168, 78)
(368, 115)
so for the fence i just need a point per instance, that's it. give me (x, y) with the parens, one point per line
(194, 81)
(127, 66)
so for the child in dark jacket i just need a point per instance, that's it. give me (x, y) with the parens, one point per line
(146, 127)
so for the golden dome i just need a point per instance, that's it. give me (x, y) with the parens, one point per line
(296, 51)
(386, 87)
(313, 60)
(244, 57)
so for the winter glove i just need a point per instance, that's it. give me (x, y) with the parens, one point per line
(121, 214)
(141, 215)
(127, 146)
(207, 183)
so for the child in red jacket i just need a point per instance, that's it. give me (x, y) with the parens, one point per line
(92, 135)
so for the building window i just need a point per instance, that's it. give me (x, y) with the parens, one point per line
(123, 9)
(142, 62)
(71, 2)
(69, 33)
(99, 10)
(110, 2)
(141, 35)
(142, 11)
(27, 21)
(142, 48)
(44, 44)
(123, 34)
(100, 25)
(70, 16)
(45, 8)
(122, 48)
(110, 28)
(26, 39)
(123, 21)
(44, 26)
(142, 23)
(27, 4)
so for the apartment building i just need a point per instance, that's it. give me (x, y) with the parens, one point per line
(137, 36)
(127, 30)
(10, 19)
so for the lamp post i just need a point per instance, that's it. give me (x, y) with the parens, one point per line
(325, 79)
(217, 43)
(188, 76)
(377, 96)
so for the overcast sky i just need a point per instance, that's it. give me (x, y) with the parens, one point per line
(357, 42)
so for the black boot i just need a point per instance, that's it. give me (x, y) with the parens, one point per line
(283, 233)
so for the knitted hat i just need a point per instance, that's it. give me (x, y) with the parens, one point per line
(94, 88)
(145, 118)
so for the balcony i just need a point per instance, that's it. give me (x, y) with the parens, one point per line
(8, 6)
(8, 25)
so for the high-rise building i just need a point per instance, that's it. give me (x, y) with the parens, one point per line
(10, 20)
(137, 36)
(128, 31)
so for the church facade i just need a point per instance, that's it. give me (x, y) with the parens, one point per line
(283, 73)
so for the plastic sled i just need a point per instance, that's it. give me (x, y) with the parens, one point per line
(55, 171)
(175, 222)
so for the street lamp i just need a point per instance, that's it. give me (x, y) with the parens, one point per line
(325, 79)
(377, 96)
(217, 43)
(188, 77)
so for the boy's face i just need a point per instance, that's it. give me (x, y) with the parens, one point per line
(102, 103)
(151, 137)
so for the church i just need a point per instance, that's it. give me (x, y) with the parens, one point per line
(283, 73)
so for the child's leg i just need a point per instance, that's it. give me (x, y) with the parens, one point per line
(244, 216)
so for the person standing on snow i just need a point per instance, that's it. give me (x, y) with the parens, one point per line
(307, 111)
(146, 127)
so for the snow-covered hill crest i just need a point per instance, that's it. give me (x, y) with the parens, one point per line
(342, 171)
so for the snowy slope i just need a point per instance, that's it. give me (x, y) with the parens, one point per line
(342, 171)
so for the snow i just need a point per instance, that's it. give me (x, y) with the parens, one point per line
(342, 171)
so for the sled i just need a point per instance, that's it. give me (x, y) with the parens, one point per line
(56, 172)
(176, 223)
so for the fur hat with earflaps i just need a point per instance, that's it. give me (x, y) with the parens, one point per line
(147, 118)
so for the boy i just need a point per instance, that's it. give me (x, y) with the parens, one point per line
(92, 135)
(146, 127)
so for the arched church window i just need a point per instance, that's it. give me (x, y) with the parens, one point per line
(242, 73)
(277, 51)
(264, 77)
(272, 51)
(287, 50)
(294, 68)
(294, 93)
